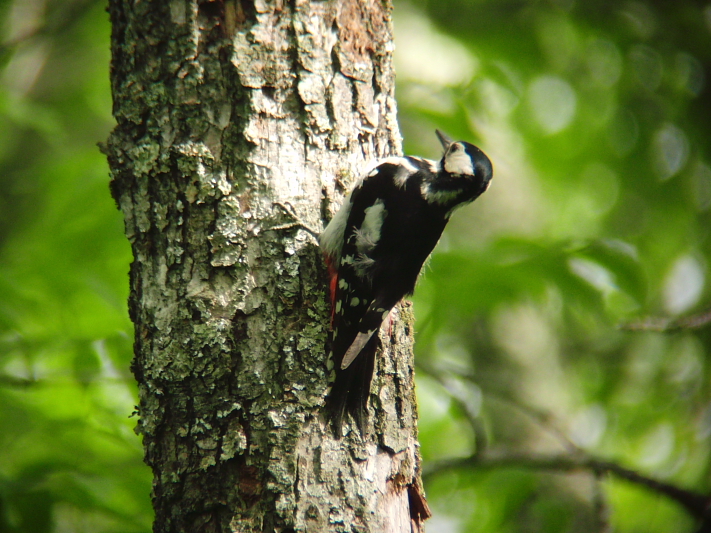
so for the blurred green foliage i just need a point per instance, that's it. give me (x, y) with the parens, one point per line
(596, 116)
(69, 459)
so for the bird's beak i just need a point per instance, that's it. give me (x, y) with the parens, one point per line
(446, 141)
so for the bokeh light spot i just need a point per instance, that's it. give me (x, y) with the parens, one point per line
(640, 19)
(588, 426)
(657, 445)
(623, 132)
(670, 150)
(690, 73)
(595, 274)
(683, 285)
(553, 103)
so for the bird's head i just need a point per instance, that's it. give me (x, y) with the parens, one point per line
(464, 173)
(462, 159)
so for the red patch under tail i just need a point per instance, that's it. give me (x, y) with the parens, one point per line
(333, 285)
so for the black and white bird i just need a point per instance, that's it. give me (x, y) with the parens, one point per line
(376, 245)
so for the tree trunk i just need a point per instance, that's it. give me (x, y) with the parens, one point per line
(239, 123)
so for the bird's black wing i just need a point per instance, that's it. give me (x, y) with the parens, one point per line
(355, 314)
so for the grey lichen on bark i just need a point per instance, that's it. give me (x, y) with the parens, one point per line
(239, 123)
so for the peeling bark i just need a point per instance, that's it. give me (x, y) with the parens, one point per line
(238, 123)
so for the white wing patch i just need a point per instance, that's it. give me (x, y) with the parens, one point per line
(368, 235)
(331, 239)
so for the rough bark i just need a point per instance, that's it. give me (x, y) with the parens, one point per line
(235, 119)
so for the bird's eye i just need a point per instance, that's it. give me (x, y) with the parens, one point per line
(454, 148)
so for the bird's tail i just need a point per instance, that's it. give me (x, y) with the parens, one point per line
(350, 389)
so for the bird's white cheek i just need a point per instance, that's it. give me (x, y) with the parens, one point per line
(459, 163)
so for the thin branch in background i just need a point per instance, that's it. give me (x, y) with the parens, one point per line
(698, 505)
(470, 412)
(669, 324)
(695, 503)
(600, 507)
(15, 382)
(542, 418)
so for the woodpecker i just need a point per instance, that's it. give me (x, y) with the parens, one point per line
(375, 247)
